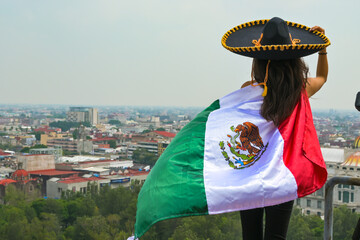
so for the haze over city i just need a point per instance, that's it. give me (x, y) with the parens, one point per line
(155, 53)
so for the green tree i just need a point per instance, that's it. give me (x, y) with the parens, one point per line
(67, 152)
(316, 225)
(112, 143)
(38, 135)
(298, 227)
(224, 226)
(160, 129)
(46, 227)
(27, 149)
(115, 122)
(65, 125)
(344, 223)
(91, 228)
(14, 196)
(14, 224)
(75, 133)
(143, 156)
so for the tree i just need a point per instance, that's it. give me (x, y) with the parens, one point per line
(112, 143)
(298, 227)
(14, 224)
(27, 149)
(65, 125)
(37, 135)
(67, 152)
(224, 226)
(91, 228)
(75, 133)
(144, 156)
(160, 129)
(115, 122)
(45, 227)
(344, 223)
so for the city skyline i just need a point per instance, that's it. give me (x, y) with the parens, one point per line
(158, 53)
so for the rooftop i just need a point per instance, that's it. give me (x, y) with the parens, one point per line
(353, 160)
(132, 172)
(335, 155)
(51, 172)
(102, 139)
(6, 181)
(79, 179)
(166, 134)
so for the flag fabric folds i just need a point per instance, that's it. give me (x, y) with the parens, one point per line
(229, 158)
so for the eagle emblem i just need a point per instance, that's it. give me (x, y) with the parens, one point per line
(245, 144)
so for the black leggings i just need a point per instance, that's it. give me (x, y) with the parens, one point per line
(277, 219)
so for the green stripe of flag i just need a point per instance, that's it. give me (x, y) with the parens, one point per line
(175, 186)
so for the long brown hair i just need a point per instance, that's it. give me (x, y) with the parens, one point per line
(286, 80)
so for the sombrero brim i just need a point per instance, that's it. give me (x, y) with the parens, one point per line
(239, 40)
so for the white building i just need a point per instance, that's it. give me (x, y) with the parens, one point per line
(55, 186)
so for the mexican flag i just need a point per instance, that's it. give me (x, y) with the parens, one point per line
(229, 158)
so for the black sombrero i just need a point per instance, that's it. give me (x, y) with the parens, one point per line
(273, 39)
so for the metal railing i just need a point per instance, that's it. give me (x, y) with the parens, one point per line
(329, 187)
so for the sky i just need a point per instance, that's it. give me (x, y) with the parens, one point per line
(156, 52)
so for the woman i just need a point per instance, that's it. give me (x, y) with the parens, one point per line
(250, 148)
(285, 81)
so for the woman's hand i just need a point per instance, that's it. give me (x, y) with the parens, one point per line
(317, 28)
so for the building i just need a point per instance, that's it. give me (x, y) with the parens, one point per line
(56, 151)
(47, 129)
(161, 148)
(44, 138)
(46, 174)
(34, 162)
(83, 114)
(160, 136)
(71, 145)
(21, 180)
(150, 146)
(105, 140)
(126, 176)
(99, 163)
(56, 186)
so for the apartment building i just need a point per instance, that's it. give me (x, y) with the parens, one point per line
(83, 114)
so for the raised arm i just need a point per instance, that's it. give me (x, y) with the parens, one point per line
(314, 84)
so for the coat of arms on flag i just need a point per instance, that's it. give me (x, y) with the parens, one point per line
(246, 146)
